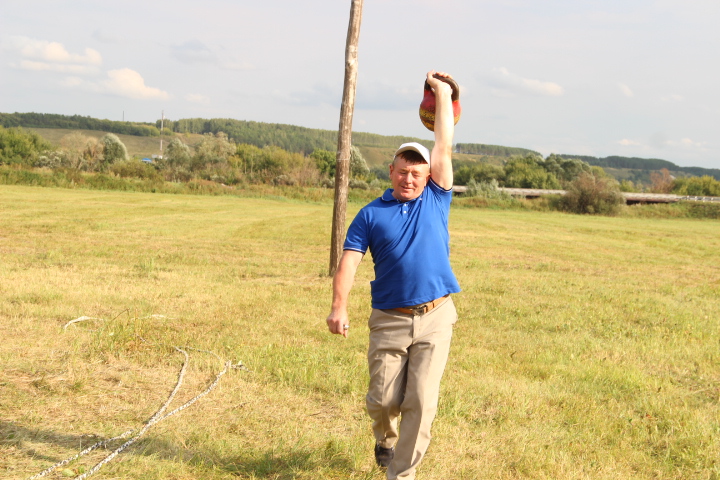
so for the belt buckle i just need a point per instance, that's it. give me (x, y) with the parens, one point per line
(420, 309)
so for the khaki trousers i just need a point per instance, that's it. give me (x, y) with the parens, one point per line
(407, 357)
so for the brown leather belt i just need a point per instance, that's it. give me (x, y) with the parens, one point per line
(421, 309)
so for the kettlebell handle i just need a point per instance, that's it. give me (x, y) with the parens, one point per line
(453, 84)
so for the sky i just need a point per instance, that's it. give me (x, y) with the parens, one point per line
(635, 78)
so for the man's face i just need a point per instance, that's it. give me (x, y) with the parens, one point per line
(408, 181)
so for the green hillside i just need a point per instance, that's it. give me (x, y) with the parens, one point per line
(142, 140)
(635, 169)
(77, 122)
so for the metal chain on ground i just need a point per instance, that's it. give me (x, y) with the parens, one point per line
(101, 443)
(152, 422)
(156, 418)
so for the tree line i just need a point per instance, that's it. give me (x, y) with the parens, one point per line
(77, 122)
(491, 150)
(219, 161)
(288, 137)
(307, 140)
(646, 164)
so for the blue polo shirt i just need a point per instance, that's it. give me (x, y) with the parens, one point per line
(410, 246)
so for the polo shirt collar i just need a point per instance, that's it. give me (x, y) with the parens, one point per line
(388, 196)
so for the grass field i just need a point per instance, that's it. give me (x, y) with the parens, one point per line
(587, 347)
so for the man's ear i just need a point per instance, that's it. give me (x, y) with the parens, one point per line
(391, 168)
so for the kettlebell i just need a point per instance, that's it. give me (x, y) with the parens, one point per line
(427, 106)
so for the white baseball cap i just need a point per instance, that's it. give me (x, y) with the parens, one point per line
(415, 147)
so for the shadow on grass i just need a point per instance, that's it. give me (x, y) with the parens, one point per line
(285, 465)
(281, 462)
(271, 463)
(12, 434)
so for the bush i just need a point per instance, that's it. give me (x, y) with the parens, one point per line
(481, 173)
(592, 194)
(81, 152)
(212, 149)
(705, 186)
(135, 169)
(628, 186)
(50, 159)
(325, 161)
(488, 189)
(20, 146)
(283, 180)
(377, 184)
(359, 184)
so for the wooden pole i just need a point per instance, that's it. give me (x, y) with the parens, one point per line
(342, 169)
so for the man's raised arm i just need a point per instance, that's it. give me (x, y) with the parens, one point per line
(441, 157)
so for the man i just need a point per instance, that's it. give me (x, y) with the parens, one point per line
(413, 316)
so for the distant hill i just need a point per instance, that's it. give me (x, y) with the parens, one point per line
(288, 137)
(616, 163)
(377, 149)
(492, 150)
(76, 122)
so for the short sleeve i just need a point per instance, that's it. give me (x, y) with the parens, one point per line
(357, 235)
(443, 196)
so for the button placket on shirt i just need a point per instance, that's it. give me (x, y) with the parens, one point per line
(405, 206)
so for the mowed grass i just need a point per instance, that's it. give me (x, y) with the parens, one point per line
(136, 145)
(587, 347)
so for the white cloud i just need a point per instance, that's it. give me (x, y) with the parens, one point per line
(53, 52)
(123, 83)
(128, 83)
(197, 98)
(509, 84)
(660, 141)
(57, 67)
(625, 90)
(687, 143)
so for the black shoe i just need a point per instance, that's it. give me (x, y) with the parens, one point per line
(383, 456)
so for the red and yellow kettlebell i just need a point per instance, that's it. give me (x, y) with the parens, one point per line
(427, 106)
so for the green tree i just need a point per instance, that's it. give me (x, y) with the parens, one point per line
(480, 173)
(527, 172)
(249, 156)
(325, 161)
(358, 166)
(213, 149)
(176, 154)
(697, 186)
(21, 146)
(627, 186)
(565, 169)
(113, 149)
